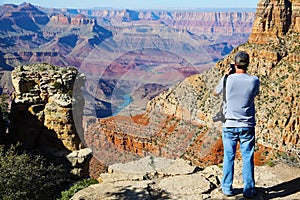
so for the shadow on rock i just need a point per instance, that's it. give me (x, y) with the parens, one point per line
(284, 189)
(129, 193)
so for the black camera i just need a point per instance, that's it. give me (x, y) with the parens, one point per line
(219, 117)
(232, 71)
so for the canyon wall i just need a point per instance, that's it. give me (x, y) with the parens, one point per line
(274, 19)
(199, 22)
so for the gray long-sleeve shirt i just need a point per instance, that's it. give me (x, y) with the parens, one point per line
(241, 90)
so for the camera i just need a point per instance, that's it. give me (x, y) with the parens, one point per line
(219, 117)
(232, 71)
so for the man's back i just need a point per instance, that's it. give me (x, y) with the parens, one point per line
(239, 127)
(241, 90)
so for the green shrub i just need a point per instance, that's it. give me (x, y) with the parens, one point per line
(270, 163)
(29, 176)
(4, 111)
(66, 195)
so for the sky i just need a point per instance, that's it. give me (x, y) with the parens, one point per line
(139, 4)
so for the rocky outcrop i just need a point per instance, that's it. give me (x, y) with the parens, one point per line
(274, 19)
(43, 102)
(160, 178)
(149, 178)
(46, 113)
(79, 161)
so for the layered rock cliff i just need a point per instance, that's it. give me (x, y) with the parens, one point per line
(46, 113)
(274, 19)
(42, 105)
(201, 22)
(76, 20)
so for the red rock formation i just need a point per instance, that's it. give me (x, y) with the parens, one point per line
(121, 138)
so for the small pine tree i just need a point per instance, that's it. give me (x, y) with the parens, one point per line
(26, 176)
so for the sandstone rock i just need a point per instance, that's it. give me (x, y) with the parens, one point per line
(274, 19)
(148, 178)
(147, 168)
(192, 186)
(63, 100)
(60, 19)
(80, 161)
(272, 182)
(177, 167)
(43, 113)
(77, 157)
(47, 97)
(117, 190)
(151, 164)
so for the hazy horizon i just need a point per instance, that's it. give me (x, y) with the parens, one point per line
(138, 4)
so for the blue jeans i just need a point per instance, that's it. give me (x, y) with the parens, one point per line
(246, 137)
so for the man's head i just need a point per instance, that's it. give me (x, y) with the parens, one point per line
(241, 60)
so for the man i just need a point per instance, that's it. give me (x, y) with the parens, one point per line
(239, 126)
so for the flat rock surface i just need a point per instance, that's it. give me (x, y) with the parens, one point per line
(160, 178)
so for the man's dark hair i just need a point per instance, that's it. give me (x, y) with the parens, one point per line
(241, 60)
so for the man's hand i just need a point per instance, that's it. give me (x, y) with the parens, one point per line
(230, 70)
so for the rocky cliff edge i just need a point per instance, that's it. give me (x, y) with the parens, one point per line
(160, 178)
(46, 113)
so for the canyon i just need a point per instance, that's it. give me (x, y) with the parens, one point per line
(167, 64)
(114, 47)
(177, 122)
